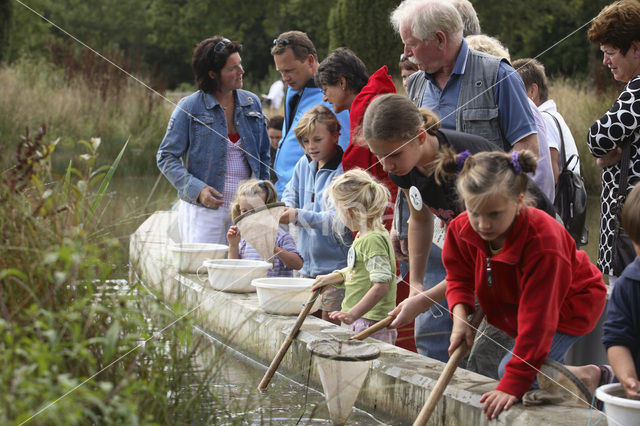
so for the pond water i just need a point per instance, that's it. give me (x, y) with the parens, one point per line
(285, 402)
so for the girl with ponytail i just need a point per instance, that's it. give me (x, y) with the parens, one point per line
(522, 267)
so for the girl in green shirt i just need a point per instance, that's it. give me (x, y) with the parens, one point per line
(370, 276)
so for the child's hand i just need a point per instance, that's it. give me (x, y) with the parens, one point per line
(461, 330)
(233, 236)
(409, 309)
(496, 401)
(325, 280)
(631, 387)
(290, 215)
(345, 317)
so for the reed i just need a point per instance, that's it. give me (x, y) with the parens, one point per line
(78, 345)
(35, 91)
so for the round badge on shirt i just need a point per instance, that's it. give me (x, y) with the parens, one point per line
(415, 198)
(351, 258)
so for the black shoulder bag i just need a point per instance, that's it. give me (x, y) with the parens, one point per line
(571, 195)
(622, 251)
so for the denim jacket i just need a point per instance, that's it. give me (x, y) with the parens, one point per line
(193, 153)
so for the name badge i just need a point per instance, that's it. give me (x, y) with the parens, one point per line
(415, 198)
(351, 258)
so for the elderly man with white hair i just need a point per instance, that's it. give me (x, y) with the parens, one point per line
(471, 92)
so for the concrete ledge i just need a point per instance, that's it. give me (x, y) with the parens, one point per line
(398, 383)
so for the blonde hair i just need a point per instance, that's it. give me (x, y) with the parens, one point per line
(358, 193)
(487, 44)
(253, 188)
(486, 174)
(394, 117)
(319, 114)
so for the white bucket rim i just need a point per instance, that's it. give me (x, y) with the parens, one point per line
(603, 395)
(197, 247)
(300, 283)
(234, 264)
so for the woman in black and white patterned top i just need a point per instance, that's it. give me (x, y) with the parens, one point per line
(617, 30)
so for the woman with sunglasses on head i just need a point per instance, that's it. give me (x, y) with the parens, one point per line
(216, 138)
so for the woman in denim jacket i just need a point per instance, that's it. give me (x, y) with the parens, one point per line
(216, 138)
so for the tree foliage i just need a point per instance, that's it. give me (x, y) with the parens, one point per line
(364, 27)
(553, 31)
(159, 35)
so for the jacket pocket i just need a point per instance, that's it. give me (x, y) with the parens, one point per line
(203, 126)
(483, 122)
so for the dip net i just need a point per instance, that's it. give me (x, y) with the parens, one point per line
(343, 367)
(259, 227)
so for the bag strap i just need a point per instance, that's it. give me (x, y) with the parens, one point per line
(563, 155)
(624, 171)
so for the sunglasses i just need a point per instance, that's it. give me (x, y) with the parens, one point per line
(282, 41)
(221, 45)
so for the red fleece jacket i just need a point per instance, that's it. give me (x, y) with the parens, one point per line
(358, 154)
(541, 284)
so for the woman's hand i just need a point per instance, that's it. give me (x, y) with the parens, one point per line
(496, 401)
(325, 280)
(345, 317)
(289, 215)
(409, 309)
(207, 197)
(610, 158)
(233, 236)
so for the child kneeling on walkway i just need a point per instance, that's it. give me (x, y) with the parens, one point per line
(522, 267)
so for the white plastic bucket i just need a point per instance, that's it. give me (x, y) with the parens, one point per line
(235, 275)
(619, 409)
(284, 296)
(189, 257)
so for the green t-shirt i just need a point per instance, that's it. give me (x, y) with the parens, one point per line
(357, 279)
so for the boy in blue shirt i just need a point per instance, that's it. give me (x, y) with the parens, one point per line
(622, 328)
(323, 242)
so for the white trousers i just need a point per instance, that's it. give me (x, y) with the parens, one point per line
(202, 225)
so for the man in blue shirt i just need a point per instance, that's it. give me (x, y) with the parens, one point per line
(295, 57)
(471, 92)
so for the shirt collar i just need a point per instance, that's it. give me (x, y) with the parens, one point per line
(242, 99)
(333, 163)
(461, 62)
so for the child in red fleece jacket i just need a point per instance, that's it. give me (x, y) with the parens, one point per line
(521, 265)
